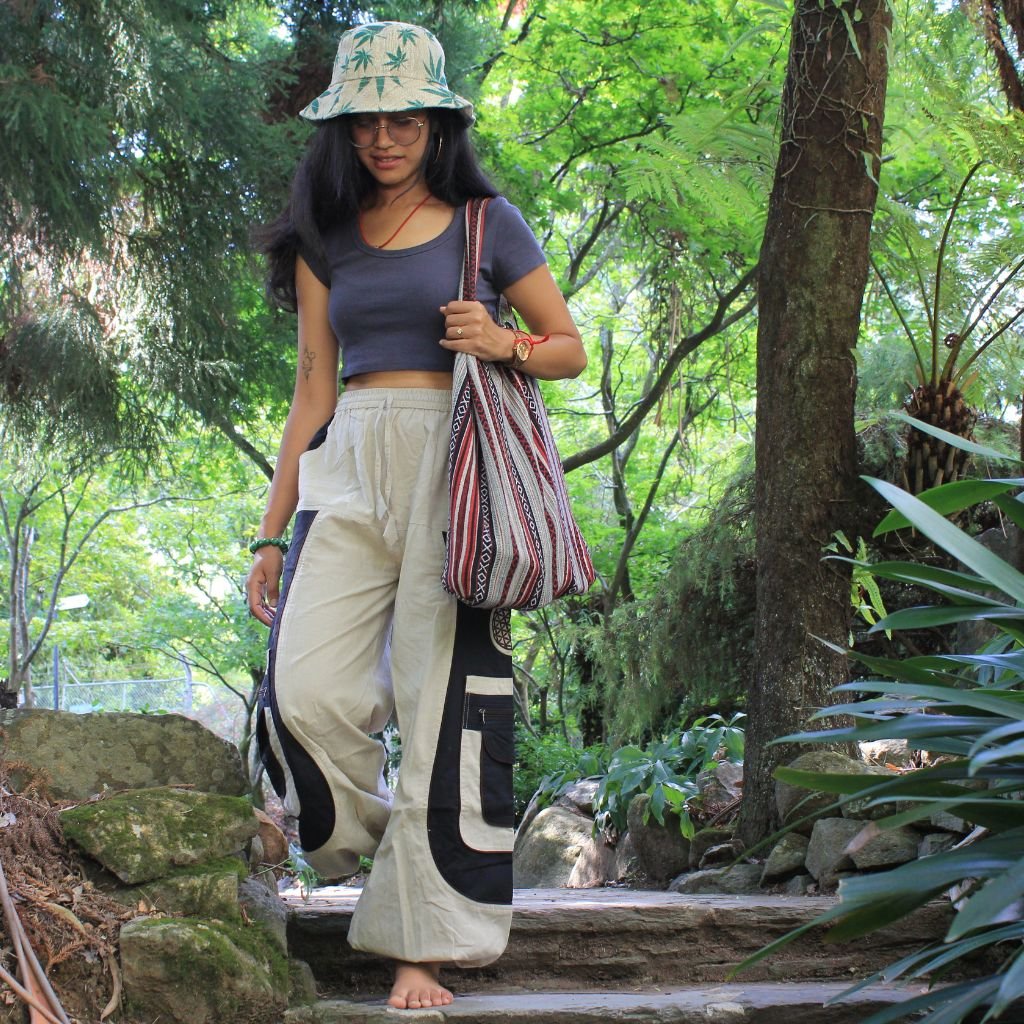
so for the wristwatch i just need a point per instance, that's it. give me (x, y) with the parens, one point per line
(521, 350)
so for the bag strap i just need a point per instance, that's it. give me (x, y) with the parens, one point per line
(476, 210)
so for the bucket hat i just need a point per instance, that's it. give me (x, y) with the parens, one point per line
(386, 66)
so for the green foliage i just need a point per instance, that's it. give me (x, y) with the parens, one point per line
(663, 652)
(546, 764)
(967, 711)
(667, 772)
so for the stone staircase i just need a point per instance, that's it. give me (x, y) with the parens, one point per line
(582, 955)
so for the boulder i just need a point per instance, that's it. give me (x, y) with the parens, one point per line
(265, 907)
(826, 852)
(142, 834)
(720, 854)
(704, 840)
(887, 849)
(86, 755)
(198, 972)
(546, 853)
(943, 821)
(626, 860)
(786, 858)
(884, 752)
(936, 842)
(798, 885)
(594, 866)
(795, 803)
(720, 784)
(273, 843)
(740, 879)
(580, 796)
(207, 890)
(663, 850)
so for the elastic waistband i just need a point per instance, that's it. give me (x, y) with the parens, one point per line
(429, 399)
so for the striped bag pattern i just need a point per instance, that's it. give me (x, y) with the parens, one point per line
(512, 540)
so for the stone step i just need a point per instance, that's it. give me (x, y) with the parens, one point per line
(759, 1003)
(573, 939)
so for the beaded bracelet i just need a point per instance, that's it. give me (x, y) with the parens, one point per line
(265, 542)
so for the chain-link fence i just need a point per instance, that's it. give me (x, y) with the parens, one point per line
(215, 706)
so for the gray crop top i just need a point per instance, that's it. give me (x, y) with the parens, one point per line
(384, 303)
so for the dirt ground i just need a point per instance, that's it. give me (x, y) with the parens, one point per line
(73, 927)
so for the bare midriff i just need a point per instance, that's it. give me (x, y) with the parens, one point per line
(437, 379)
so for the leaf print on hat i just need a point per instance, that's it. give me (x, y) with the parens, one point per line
(362, 59)
(368, 33)
(380, 86)
(435, 71)
(396, 60)
(408, 34)
(446, 95)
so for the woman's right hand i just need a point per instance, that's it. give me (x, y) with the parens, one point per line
(262, 585)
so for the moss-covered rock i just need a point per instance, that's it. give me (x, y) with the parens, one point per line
(209, 890)
(187, 971)
(144, 834)
(663, 850)
(86, 755)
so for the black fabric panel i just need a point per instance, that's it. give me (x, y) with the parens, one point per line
(492, 715)
(316, 807)
(484, 877)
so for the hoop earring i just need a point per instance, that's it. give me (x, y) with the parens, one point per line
(440, 143)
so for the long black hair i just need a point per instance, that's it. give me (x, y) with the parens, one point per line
(331, 185)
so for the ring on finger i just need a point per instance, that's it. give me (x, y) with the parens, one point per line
(458, 332)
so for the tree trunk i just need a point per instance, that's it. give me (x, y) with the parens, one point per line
(812, 274)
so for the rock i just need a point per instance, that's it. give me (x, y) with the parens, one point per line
(704, 840)
(663, 850)
(197, 972)
(302, 984)
(720, 855)
(826, 852)
(936, 842)
(795, 803)
(626, 860)
(887, 849)
(533, 808)
(884, 752)
(266, 908)
(798, 885)
(787, 857)
(272, 841)
(737, 880)
(580, 796)
(946, 822)
(720, 785)
(594, 866)
(547, 852)
(142, 834)
(86, 755)
(207, 890)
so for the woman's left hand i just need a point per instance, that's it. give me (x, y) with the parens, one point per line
(468, 327)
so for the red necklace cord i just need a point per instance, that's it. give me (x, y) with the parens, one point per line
(394, 235)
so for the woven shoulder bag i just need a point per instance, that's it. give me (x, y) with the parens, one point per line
(512, 540)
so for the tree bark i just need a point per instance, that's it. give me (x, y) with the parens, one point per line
(811, 277)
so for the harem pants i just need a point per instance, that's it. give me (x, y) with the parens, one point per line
(364, 629)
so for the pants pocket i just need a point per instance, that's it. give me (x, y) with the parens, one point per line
(486, 757)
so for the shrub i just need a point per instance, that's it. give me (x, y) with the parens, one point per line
(967, 710)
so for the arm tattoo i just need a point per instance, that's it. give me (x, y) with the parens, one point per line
(307, 362)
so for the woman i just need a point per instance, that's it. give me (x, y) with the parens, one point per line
(370, 252)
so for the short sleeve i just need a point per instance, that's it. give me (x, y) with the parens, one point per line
(510, 249)
(316, 263)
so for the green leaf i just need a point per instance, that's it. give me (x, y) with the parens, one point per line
(949, 498)
(955, 439)
(974, 555)
(929, 616)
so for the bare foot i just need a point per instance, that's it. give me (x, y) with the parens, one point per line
(416, 986)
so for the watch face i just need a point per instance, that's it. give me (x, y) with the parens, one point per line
(523, 350)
